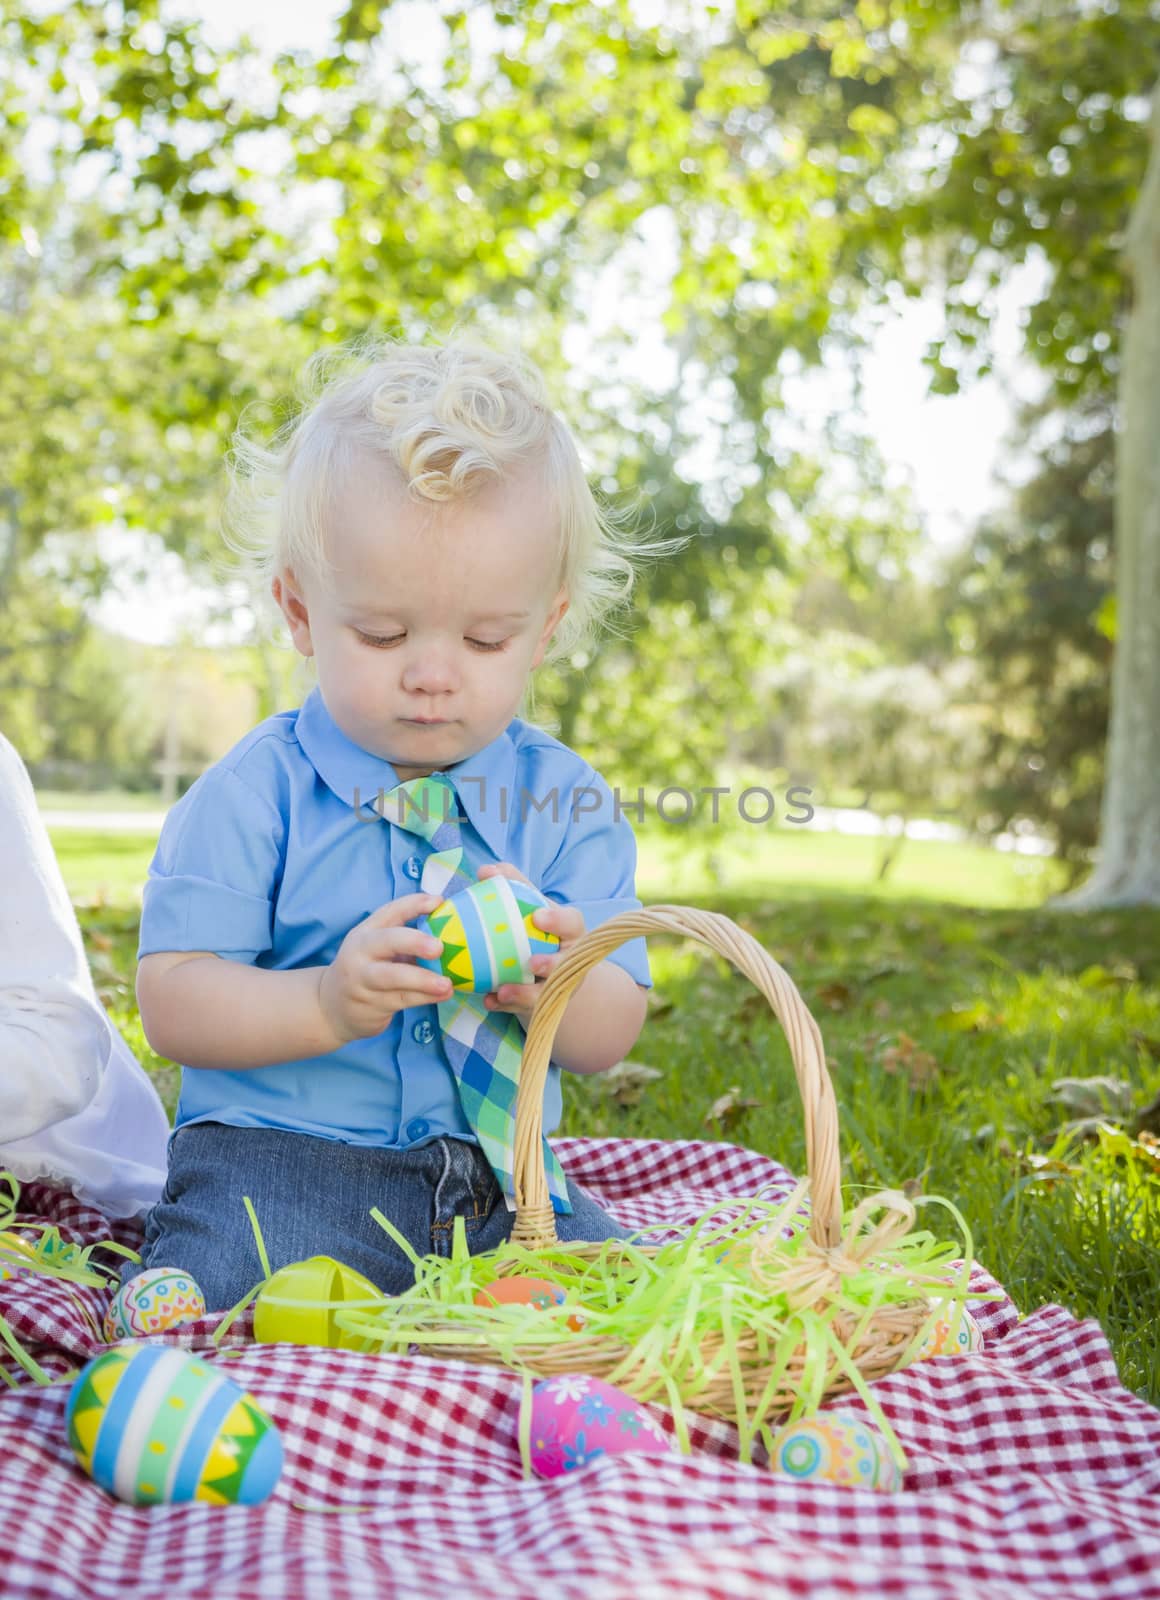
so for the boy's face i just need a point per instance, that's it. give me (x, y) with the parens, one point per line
(433, 615)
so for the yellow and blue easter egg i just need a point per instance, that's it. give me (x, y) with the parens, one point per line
(17, 1256)
(156, 1299)
(154, 1425)
(488, 935)
(835, 1447)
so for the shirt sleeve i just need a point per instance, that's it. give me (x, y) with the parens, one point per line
(54, 1040)
(214, 877)
(595, 869)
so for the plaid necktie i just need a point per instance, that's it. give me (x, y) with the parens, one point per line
(483, 1048)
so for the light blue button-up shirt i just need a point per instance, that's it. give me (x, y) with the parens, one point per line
(265, 861)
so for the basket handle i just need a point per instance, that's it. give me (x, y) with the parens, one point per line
(535, 1224)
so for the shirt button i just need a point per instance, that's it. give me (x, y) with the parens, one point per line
(422, 1033)
(418, 1128)
(413, 867)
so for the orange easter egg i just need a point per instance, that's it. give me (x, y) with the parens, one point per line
(520, 1292)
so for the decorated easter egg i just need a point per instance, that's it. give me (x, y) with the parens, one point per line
(536, 1292)
(956, 1333)
(16, 1256)
(488, 935)
(520, 1292)
(576, 1419)
(152, 1424)
(49, 1245)
(835, 1447)
(297, 1305)
(156, 1299)
(17, 1242)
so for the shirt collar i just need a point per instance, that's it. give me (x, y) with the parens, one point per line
(483, 782)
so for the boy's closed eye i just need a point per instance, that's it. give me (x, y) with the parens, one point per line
(378, 642)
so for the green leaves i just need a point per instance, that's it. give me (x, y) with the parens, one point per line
(805, 163)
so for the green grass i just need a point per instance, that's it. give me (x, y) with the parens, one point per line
(98, 800)
(797, 860)
(676, 865)
(103, 865)
(946, 1026)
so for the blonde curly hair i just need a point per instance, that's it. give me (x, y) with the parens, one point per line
(452, 417)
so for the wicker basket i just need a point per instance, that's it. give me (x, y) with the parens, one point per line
(751, 1380)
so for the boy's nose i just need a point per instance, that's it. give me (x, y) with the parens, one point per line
(429, 673)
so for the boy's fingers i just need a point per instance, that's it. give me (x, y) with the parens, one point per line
(406, 998)
(405, 909)
(402, 999)
(514, 995)
(388, 944)
(502, 869)
(409, 986)
(564, 921)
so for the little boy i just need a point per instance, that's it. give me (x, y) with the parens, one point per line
(428, 533)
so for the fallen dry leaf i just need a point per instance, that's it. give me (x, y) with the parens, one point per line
(626, 1082)
(729, 1108)
(1095, 1096)
(1049, 1170)
(905, 1056)
(1150, 1145)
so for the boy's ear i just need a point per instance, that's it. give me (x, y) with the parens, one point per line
(555, 617)
(290, 601)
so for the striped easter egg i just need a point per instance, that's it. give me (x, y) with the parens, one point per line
(154, 1425)
(488, 935)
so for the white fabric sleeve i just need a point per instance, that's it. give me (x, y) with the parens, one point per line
(54, 1042)
(76, 1107)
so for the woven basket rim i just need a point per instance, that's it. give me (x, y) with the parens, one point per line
(535, 1225)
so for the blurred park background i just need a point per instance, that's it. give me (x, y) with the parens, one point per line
(844, 292)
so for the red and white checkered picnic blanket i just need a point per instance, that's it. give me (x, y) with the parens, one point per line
(1032, 1471)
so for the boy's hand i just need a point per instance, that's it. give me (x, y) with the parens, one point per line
(374, 973)
(566, 922)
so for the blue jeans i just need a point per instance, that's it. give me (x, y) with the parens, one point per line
(313, 1197)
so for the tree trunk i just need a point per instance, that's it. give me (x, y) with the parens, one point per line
(1128, 863)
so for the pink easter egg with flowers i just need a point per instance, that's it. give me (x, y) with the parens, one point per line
(576, 1419)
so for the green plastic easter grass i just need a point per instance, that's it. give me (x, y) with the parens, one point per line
(49, 1254)
(705, 1292)
(525, 1424)
(235, 1312)
(744, 1288)
(33, 1368)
